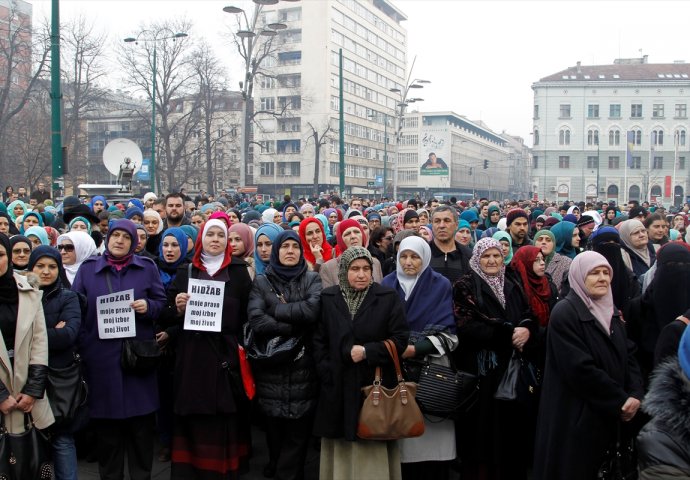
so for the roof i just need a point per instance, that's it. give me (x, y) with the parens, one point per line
(657, 72)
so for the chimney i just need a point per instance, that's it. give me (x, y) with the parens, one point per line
(579, 66)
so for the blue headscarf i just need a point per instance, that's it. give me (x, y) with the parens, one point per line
(135, 202)
(285, 272)
(168, 270)
(563, 231)
(192, 232)
(271, 230)
(32, 214)
(326, 228)
(48, 251)
(38, 232)
(97, 198)
(131, 211)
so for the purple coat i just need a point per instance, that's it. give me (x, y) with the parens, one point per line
(114, 394)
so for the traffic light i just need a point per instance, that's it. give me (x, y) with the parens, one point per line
(486, 164)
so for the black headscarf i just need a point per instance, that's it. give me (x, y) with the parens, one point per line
(14, 241)
(8, 287)
(669, 291)
(606, 241)
(13, 228)
(284, 272)
(48, 251)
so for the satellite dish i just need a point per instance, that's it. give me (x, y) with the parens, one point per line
(115, 153)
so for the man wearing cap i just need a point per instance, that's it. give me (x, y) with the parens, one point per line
(517, 224)
(586, 225)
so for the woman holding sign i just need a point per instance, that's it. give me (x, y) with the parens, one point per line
(285, 302)
(125, 296)
(211, 425)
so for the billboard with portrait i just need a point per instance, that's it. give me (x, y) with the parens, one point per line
(434, 157)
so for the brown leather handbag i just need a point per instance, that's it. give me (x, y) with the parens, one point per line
(390, 413)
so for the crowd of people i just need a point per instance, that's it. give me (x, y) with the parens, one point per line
(591, 301)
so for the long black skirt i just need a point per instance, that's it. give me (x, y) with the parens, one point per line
(210, 447)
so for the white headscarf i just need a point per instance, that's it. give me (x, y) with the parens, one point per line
(419, 246)
(150, 212)
(84, 247)
(212, 263)
(267, 216)
(150, 196)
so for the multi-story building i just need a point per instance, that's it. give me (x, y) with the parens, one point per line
(303, 86)
(15, 37)
(612, 132)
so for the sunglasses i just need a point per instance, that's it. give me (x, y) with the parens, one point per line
(66, 248)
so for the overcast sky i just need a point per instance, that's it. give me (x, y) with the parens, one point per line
(481, 56)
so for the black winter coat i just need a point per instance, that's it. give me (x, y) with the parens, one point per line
(662, 445)
(203, 384)
(380, 317)
(290, 390)
(589, 376)
(61, 305)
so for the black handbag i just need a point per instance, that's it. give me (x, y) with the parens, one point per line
(520, 382)
(140, 357)
(446, 391)
(26, 455)
(67, 392)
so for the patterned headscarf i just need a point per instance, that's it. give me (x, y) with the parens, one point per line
(353, 298)
(495, 282)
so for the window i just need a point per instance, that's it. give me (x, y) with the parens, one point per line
(680, 138)
(268, 103)
(267, 146)
(615, 110)
(614, 137)
(614, 163)
(289, 58)
(636, 163)
(288, 146)
(267, 82)
(536, 112)
(658, 163)
(564, 162)
(636, 110)
(658, 110)
(592, 111)
(564, 137)
(565, 111)
(535, 162)
(681, 163)
(681, 110)
(536, 136)
(637, 137)
(267, 168)
(657, 137)
(593, 137)
(593, 162)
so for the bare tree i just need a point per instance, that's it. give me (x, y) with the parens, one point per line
(176, 103)
(319, 137)
(83, 62)
(23, 59)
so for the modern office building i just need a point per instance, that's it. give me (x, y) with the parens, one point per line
(612, 132)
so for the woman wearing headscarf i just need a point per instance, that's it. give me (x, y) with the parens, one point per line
(492, 320)
(80, 224)
(23, 349)
(263, 240)
(592, 381)
(567, 238)
(316, 248)
(557, 265)
(357, 315)
(428, 301)
(211, 430)
(610, 215)
(492, 217)
(284, 301)
(37, 236)
(241, 238)
(7, 226)
(135, 214)
(506, 242)
(464, 233)
(74, 248)
(270, 215)
(153, 224)
(192, 233)
(31, 219)
(62, 311)
(638, 252)
(409, 219)
(16, 209)
(121, 404)
(349, 234)
(666, 298)
(20, 249)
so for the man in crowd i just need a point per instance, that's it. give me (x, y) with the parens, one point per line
(657, 229)
(517, 224)
(40, 194)
(174, 210)
(21, 195)
(448, 257)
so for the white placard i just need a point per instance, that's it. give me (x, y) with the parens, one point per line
(115, 315)
(205, 305)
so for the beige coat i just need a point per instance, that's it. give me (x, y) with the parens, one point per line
(30, 348)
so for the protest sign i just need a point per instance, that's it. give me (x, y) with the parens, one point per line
(115, 315)
(205, 306)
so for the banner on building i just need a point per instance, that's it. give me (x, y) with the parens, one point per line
(435, 158)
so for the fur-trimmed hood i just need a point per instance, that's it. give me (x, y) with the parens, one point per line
(668, 400)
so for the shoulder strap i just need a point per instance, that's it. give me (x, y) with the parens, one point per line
(683, 319)
(393, 352)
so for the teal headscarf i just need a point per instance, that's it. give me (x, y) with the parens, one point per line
(563, 231)
(38, 232)
(83, 220)
(505, 236)
(11, 206)
(31, 214)
(271, 230)
(487, 221)
(192, 232)
(326, 228)
(541, 233)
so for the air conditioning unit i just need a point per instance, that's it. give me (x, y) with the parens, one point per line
(552, 189)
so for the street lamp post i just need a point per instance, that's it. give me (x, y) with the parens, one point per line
(385, 150)
(246, 45)
(154, 41)
(400, 113)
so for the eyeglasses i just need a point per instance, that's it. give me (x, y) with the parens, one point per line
(21, 250)
(66, 248)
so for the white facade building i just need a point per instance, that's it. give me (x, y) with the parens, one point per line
(612, 132)
(304, 82)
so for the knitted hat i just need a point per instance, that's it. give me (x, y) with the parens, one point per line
(636, 212)
(585, 220)
(684, 352)
(515, 213)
